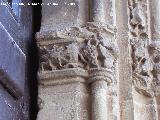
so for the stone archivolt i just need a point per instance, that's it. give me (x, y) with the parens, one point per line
(89, 47)
(145, 54)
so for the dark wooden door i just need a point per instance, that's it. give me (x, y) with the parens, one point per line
(15, 33)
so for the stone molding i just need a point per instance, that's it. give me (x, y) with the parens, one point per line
(100, 74)
(67, 76)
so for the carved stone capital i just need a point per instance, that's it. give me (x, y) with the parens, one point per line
(87, 48)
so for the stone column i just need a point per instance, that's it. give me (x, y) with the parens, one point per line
(99, 85)
(99, 100)
(101, 11)
(98, 13)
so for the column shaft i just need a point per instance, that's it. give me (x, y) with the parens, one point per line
(83, 13)
(98, 13)
(99, 100)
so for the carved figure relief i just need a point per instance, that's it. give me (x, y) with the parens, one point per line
(107, 52)
(45, 62)
(93, 51)
(89, 53)
(58, 57)
(138, 18)
(146, 67)
(98, 51)
(142, 67)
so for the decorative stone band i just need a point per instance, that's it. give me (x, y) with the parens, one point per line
(90, 76)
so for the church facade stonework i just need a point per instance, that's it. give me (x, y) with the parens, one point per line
(99, 60)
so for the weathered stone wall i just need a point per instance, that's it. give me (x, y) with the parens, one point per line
(108, 47)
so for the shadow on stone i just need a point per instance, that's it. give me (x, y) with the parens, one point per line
(33, 62)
